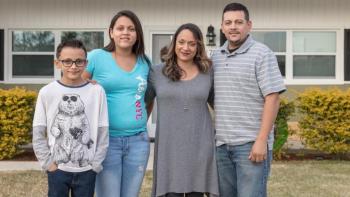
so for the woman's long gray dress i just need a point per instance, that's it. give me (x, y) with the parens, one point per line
(184, 158)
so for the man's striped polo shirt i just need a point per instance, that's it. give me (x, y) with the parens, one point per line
(241, 80)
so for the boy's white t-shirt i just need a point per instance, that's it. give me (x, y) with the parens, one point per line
(72, 116)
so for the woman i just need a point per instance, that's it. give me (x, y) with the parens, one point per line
(184, 145)
(122, 69)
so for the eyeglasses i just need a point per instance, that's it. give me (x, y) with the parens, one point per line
(69, 63)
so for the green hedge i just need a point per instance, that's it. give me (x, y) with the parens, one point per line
(16, 115)
(282, 130)
(325, 119)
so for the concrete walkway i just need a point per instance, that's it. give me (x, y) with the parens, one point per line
(34, 165)
(19, 165)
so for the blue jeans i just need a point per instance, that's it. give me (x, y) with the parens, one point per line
(80, 184)
(124, 166)
(238, 176)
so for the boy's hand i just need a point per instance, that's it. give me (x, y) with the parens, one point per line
(52, 167)
(259, 151)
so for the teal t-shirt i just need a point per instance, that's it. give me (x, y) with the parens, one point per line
(125, 92)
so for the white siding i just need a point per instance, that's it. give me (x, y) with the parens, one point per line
(169, 14)
(96, 14)
(166, 15)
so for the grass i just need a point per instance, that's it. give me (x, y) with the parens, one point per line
(292, 178)
(310, 178)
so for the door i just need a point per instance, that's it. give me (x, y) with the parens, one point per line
(158, 42)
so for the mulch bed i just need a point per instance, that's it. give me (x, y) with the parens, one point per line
(25, 156)
(306, 154)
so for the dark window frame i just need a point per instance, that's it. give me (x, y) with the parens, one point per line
(347, 55)
(2, 54)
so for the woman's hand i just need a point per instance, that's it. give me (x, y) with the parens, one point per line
(92, 81)
(87, 77)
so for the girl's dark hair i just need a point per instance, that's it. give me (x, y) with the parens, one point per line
(139, 47)
(171, 69)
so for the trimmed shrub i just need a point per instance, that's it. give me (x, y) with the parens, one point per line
(325, 119)
(282, 130)
(16, 115)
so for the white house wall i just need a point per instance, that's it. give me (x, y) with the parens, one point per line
(97, 13)
(167, 15)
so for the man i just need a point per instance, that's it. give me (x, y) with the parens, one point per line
(247, 87)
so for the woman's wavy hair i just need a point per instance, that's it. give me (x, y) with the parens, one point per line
(171, 69)
(139, 47)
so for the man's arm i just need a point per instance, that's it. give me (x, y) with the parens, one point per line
(271, 106)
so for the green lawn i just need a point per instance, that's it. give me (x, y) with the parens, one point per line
(293, 178)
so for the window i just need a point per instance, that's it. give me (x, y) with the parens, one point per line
(91, 40)
(304, 57)
(32, 65)
(314, 66)
(276, 41)
(32, 52)
(314, 54)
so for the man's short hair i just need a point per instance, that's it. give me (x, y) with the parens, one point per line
(236, 7)
(70, 43)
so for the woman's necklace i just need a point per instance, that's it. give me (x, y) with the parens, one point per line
(185, 91)
(186, 105)
(189, 75)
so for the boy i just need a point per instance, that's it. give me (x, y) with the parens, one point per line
(70, 126)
